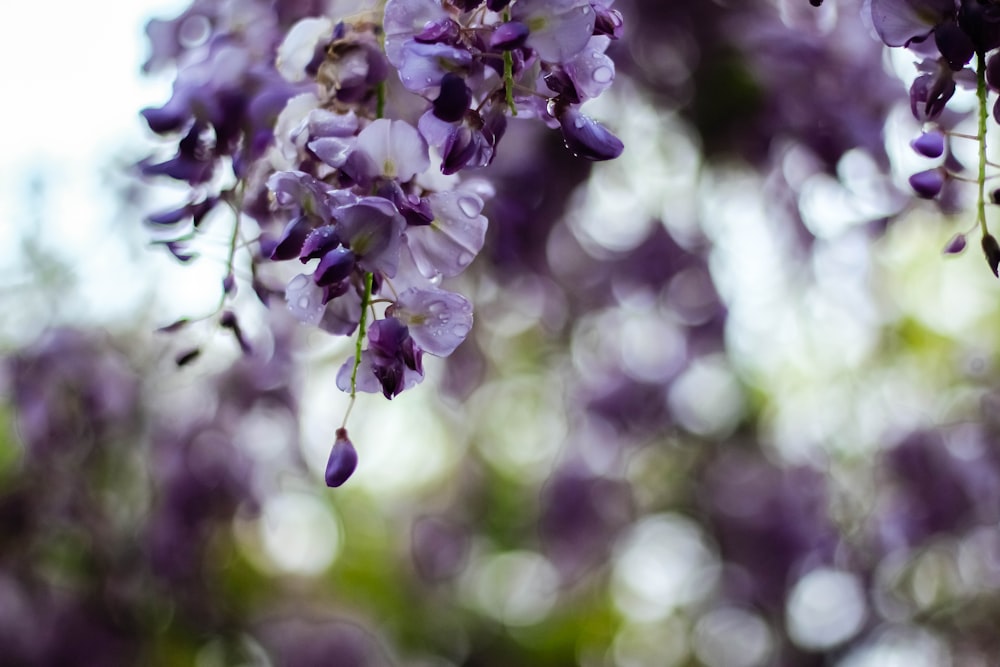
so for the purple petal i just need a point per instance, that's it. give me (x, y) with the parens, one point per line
(927, 184)
(289, 245)
(898, 22)
(438, 320)
(336, 265)
(453, 239)
(591, 72)
(373, 230)
(305, 299)
(510, 35)
(587, 138)
(559, 30)
(955, 245)
(929, 144)
(404, 19)
(395, 148)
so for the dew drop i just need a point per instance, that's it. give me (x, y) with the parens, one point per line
(460, 330)
(470, 207)
(304, 303)
(427, 80)
(602, 75)
(436, 307)
(578, 123)
(465, 259)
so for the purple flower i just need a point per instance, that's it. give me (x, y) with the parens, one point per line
(391, 364)
(930, 92)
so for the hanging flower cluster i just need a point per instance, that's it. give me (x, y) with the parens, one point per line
(287, 102)
(958, 41)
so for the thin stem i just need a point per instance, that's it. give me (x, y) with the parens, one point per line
(981, 94)
(236, 204)
(362, 324)
(508, 73)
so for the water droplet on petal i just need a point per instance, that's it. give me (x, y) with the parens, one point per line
(470, 207)
(602, 75)
(436, 306)
(465, 258)
(460, 330)
(579, 123)
(304, 303)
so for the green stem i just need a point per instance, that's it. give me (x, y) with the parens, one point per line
(362, 324)
(508, 73)
(236, 204)
(380, 100)
(982, 93)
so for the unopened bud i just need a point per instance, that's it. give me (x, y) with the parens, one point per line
(927, 184)
(343, 460)
(955, 245)
(929, 144)
(992, 251)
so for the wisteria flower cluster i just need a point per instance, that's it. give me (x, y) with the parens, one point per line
(958, 41)
(285, 104)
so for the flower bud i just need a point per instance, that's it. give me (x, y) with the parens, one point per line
(343, 460)
(955, 245)
(927, 184)
(929, 144)
(992, 251)
(587, 138)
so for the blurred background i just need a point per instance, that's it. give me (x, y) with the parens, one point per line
(726, 402)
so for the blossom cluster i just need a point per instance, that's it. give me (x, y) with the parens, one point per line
(287, 105)
(957, 41)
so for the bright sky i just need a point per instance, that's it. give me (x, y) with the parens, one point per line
(72, 91)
